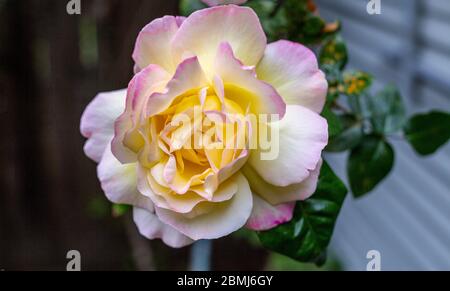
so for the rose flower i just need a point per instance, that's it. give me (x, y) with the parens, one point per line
(183, 143)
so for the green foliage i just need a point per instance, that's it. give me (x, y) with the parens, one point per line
(350, 135)
(249, 235)
(335, 126)
(427, 132)
(307, 235)
(364, 118)
(295, 20)
(387, 113)
(334, 55)
(369, 163)
(188, 6)
(271, 22)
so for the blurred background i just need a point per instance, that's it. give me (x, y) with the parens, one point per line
(51, 66)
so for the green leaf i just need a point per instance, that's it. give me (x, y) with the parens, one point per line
(349, 137)
(427, 132)
(334, 76)
(295, 20)
(313, 25)
(264, 8)
(189, 6)
(332, 94)
(334, 54)
(369, 163)
(272, 20)
(119, 210)
(386, 111)
(306, 237)
(335, 126)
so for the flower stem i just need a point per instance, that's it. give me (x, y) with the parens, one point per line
(201, 256)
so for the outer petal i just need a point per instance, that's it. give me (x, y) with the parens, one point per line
(266, 216)
(203, 31)
(153, 45)
(119, 182)
(222, 220)
(293, 70)
(151, 227)
(189, 76)
(263, 98)
(152, 79)
(302, 136)
(277, 195)
(223, 2)
(97, 122)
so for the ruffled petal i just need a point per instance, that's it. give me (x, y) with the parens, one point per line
(127, 140)
(151, 227)
(302, 136)
(242, 86)
(266, 216)
(189, 77)
(203, 31)
(293, 70)
(221, 220)
(276, 195)
(97, 122)
(153, 45)
(119, 182)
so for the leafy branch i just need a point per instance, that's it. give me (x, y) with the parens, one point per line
(360, 121)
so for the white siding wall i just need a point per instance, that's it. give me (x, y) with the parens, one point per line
(407, 218)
